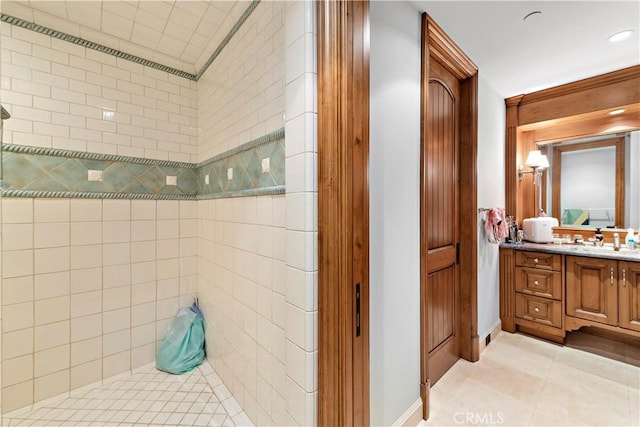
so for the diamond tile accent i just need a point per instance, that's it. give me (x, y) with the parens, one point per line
(42, 172)
(246, 162)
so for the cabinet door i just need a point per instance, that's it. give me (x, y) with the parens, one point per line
(592, 289)
(629, 294)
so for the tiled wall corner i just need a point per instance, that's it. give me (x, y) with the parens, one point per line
(242, 241)
(302, 218)
(62, 95)
(89, 286)
(241, 95)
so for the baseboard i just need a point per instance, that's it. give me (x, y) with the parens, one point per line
(411, 416)
(494, 332)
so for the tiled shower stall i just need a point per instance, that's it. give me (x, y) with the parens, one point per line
(93, 271)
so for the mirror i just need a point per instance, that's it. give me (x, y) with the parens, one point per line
(595, 182)
(600, 105)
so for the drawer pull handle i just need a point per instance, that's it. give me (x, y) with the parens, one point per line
(536, 283)
(624, 277)
(611, 276)
(535, 260)
(536, 309)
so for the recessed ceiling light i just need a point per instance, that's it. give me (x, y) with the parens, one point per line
(614, 112)
(620, 36)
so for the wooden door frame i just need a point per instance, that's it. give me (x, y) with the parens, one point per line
(437, 44)
(343, 212)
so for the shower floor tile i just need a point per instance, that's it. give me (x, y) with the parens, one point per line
(147, 397)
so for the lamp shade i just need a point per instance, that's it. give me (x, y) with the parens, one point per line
(543, 162)
(533, 159)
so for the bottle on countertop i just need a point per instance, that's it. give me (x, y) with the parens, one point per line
(616, 242)
(599, 237)
(631, 239)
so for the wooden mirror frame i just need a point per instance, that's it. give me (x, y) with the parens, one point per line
(569, 111)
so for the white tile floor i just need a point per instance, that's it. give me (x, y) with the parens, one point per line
(523, 381)
(146, 397)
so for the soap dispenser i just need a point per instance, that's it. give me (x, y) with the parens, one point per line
(598, 237)
(631, 239)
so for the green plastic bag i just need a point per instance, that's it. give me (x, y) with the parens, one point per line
(183, 347)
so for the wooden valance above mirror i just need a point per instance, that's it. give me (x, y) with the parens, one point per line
(573, 110)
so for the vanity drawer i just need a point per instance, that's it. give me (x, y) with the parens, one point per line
(539, 260)
(540, 310)
(535, 281)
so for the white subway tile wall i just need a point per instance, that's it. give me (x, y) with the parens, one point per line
(85, 294)
(301, 211)
(242, 247)
(61, 95)
(89, 286)
(241, 95)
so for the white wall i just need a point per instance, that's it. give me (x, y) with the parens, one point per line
(394, 209)
(491, 128)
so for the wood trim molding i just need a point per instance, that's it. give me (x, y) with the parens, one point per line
(560, 112)
(343, 212)
(623, 75)
(436, 44)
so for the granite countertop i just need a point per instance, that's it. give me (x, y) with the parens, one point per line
(606, 251)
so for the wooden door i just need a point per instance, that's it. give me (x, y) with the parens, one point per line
(629, 295)
(448, 207)
(592, 289)
(441, 213)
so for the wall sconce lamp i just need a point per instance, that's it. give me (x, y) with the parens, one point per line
(538, 162)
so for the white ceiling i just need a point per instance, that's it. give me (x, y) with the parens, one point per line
(177, 33)
(567, 42)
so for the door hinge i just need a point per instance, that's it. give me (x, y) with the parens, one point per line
(357, 310)
(457, 253)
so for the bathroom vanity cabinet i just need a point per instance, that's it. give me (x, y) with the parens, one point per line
(602, 291)
(547, 290)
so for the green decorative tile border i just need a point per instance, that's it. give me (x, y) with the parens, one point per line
(52, 170)
(246, 163)
(133, 58)
(53, 173)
